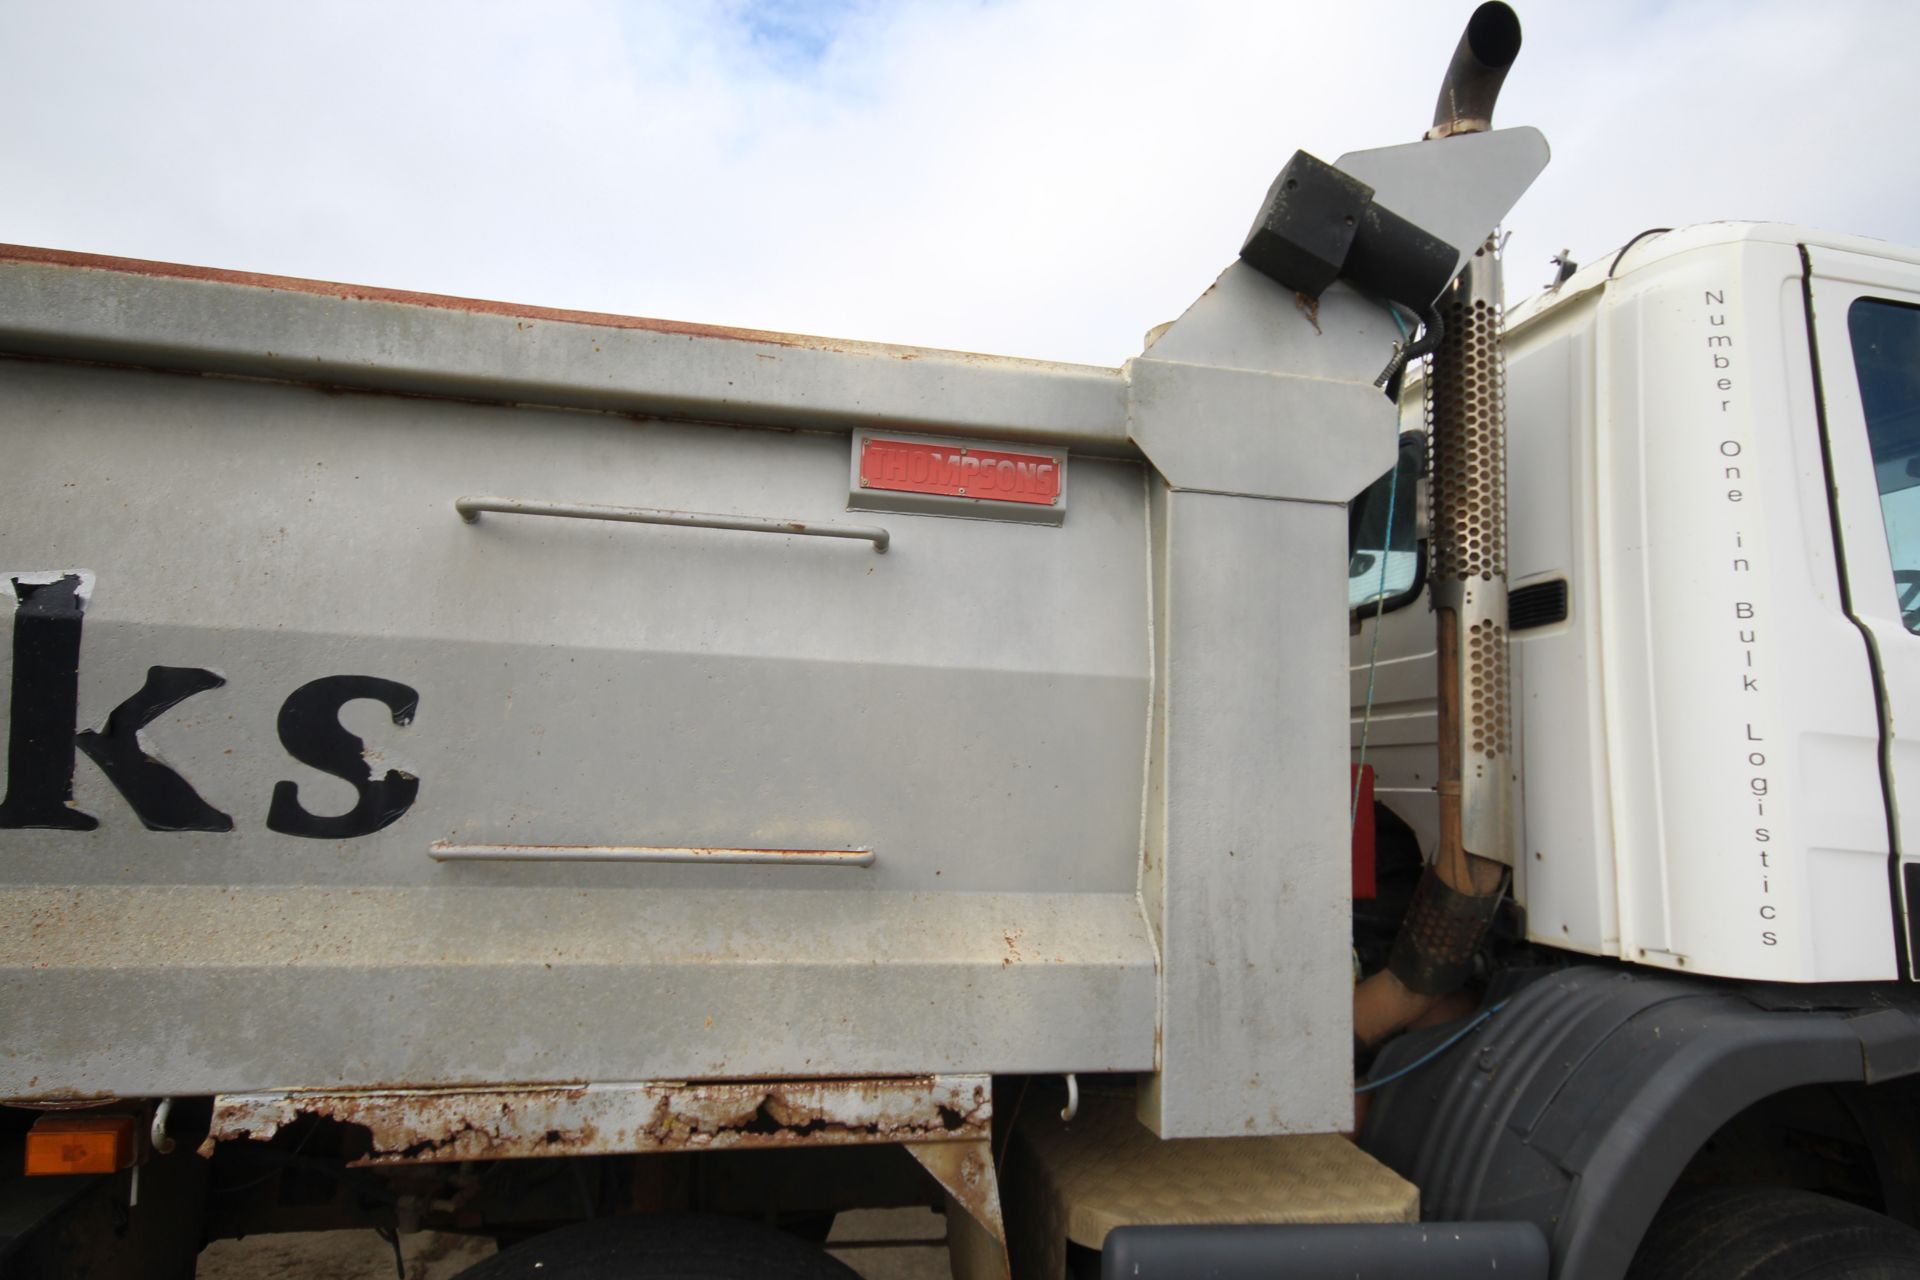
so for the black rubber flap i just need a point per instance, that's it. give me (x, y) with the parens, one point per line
(1351, 1251)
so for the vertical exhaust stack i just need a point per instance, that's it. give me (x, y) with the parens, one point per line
(1486, 50)
(1466, 417)
(1466, 390)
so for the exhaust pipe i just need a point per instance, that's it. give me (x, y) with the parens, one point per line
(1466, 418)
(1487, 48)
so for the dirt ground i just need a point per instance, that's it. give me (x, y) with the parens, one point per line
(340, 1255)
(431, 1255)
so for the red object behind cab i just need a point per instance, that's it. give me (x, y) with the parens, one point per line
(1360, 777)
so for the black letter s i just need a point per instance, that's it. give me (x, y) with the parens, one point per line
(310, 730)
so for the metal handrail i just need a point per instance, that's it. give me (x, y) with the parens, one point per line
(451, 851)
(471, 507)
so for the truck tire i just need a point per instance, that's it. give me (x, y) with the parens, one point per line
(666, 1246)
(1773, 1233)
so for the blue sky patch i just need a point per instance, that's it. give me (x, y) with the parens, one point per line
(794, 35)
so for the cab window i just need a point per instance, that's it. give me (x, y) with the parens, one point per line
(1886, 358)
(1369, 542)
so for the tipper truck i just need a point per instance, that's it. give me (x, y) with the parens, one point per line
(634, 790)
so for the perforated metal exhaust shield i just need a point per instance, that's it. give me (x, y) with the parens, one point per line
(1466, 410)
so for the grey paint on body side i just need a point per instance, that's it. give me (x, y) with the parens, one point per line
(969, 705)
(202, 989)
(977, 706)
(1257, 410)
(497, 353)
(1457, 187)
(1258, 391)
(1246, 840)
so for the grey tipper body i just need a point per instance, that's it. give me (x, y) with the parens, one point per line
(1061, 799)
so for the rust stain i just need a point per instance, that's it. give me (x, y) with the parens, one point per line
(434, 1126)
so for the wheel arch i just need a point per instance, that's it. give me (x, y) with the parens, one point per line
(1579, 1106)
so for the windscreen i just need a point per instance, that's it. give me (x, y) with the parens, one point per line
(1384, 563)
(1886, 358)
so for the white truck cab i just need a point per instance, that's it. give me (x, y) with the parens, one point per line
(1715, 562)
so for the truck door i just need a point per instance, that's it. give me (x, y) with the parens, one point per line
(1865, 315)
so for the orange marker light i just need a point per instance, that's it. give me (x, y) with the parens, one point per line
(80, 1144)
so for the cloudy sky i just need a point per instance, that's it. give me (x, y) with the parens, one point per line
(1046, 178)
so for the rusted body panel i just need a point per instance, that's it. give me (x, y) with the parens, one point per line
(434, 1126)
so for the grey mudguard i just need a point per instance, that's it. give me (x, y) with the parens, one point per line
(1578, 1105)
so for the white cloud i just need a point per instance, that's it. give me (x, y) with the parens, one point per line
(1031, 177)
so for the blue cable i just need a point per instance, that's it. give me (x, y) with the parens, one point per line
(1436, 1051)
